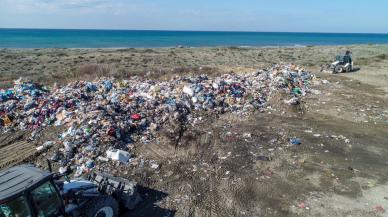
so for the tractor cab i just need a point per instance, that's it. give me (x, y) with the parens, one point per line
(26, 191)
(342, 63)
(343, 59)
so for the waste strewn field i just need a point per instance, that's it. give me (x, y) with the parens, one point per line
(322, 153)
(113, 116)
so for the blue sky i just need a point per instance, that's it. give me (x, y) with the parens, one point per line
(240, 15)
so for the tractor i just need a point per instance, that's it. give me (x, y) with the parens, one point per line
(27, 191)
(342, 63)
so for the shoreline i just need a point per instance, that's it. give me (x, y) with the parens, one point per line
(172, 30)
(199, 47)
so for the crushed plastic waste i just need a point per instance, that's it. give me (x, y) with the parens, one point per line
(295, 141)
(45, 145)
(118, 155)
(154, 166)
(292, 101)
(109, 116)
(56, 157)
(379, 209)
(62, 170)
(264, 158)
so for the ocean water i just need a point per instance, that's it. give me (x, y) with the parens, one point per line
(56, 38)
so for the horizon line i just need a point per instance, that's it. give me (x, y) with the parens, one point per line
(172, 30)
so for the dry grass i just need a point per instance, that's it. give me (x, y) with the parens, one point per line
(91, 71)
(63, 65)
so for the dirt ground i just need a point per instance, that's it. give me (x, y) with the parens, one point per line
(245, 166)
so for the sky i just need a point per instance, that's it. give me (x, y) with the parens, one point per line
(350, 16)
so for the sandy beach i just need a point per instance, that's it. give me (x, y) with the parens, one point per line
(338, 170)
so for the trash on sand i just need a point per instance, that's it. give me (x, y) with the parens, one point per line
(264, 158)
(108, 114)
(6, 120)
(45, 145)
(56, 157)
(295, 141)
(118, 155)
(136, 116)
(302, 205)
(247, 135)
(154, 166)
(89, 164)
(62, 170)
(379, 209)
(104, 159)
(292, 101)
(187, 90)
(315, 92)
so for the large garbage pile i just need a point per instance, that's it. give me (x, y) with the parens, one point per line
(108, 115)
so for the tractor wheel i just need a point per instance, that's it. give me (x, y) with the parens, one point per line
(338, 69)
(102, 207)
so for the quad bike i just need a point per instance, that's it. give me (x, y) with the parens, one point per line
(342, 63)
(26, 191)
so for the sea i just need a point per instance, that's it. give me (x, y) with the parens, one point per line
(72, 38)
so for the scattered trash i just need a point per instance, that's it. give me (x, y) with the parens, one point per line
(136, 116)
(45, 145)
(108, 114)
(315, 92)
(295, 141)
(292, 101)
(118, 155)
(247, 135)
(379, 209)
(187, 90)
(56, 157)
(104, 159)
(62, 170)
(264, 158)
(79, 171)
(154, 166)
(6, 120)
(89, 164)
(302, 205)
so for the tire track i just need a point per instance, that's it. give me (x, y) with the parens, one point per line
(16, 152)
